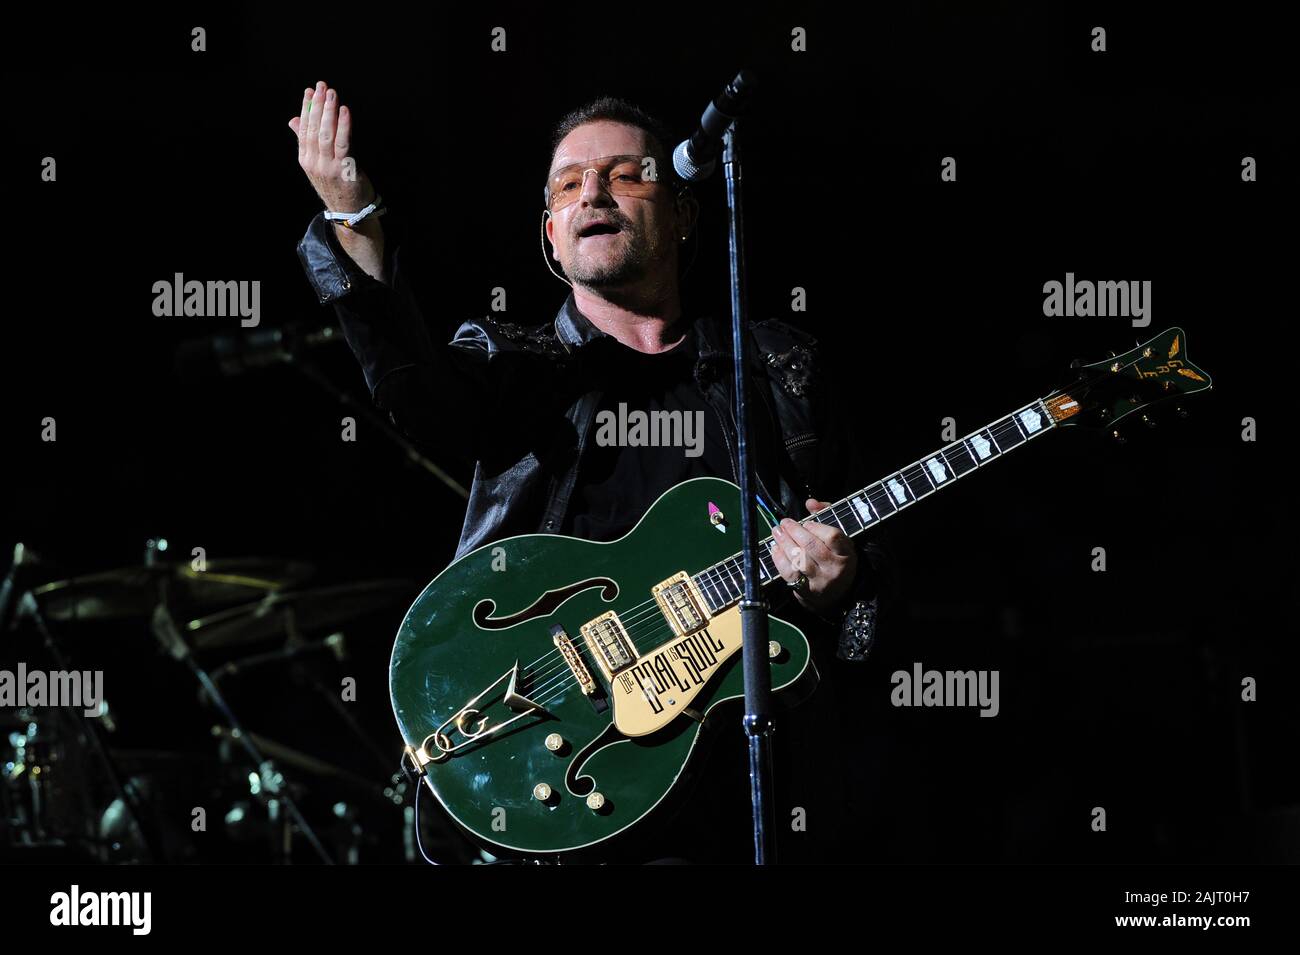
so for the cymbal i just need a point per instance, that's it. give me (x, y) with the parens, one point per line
(295, 759)
(132, 591)
(281, 612)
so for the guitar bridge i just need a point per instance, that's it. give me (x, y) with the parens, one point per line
(681, 603)
(570, 653)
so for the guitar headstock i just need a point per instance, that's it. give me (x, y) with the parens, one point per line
(1114, 388)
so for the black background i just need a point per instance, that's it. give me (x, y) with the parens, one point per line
(1119, 690)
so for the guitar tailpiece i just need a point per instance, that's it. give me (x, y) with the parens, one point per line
(412, 768)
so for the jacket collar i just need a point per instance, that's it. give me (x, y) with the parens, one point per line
(575, 330)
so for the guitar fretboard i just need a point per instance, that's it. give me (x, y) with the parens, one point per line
(723, 584)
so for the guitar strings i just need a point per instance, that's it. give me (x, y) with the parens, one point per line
(557, 670)
(639, 613)
(554, 672)
(636, 616)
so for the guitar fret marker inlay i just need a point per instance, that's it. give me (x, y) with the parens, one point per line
(1031, 419)
(897, 490)
(863, 510)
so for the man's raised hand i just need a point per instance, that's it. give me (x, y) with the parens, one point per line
(324, 131)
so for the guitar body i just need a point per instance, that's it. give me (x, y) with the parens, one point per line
(480, 689)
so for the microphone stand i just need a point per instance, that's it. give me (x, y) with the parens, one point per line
(753, 609)
(381, 422)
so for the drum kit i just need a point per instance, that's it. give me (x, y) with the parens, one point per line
(229, 729)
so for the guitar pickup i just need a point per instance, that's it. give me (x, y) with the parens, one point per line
(609, 644)
(681, 603)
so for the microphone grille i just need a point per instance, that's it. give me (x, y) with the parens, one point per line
(685, 166)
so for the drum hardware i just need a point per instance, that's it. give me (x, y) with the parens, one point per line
(131, 796)
(91, 731)
(170, 638)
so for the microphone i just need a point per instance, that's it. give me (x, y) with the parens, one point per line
(237, 354)
(695, 158)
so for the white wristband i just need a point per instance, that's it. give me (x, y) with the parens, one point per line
(350, 219)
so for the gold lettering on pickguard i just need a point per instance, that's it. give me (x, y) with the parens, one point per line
(658, 686)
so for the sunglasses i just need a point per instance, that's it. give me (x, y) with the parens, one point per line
(619, 175)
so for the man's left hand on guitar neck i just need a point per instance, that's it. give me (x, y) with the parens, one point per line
(823, 554)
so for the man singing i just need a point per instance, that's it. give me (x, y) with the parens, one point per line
(525, 401)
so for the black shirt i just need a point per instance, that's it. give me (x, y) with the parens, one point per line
(652, 430)
(620, 477)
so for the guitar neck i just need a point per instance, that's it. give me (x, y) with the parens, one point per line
(723, 584)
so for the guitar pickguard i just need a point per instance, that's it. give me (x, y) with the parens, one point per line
(660, 686)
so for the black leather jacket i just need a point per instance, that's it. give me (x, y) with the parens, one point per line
(515, 400)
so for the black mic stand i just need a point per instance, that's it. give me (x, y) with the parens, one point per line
(753, 609)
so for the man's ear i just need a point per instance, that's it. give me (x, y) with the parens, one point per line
(688, 212)
(548, 233)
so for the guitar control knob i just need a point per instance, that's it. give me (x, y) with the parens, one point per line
(596, 802)
(773, 649)
(542, 792)
(555, 742)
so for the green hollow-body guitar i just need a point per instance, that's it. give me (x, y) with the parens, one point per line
(552, 691)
